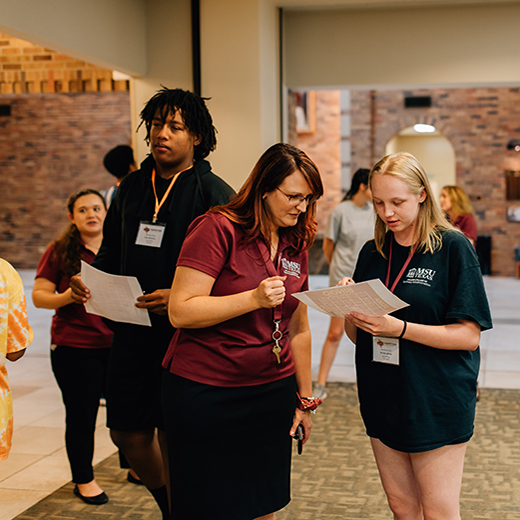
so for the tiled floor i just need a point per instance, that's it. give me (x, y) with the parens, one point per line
(500, 350)
(38, 464)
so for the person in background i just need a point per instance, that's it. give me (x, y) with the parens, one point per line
(80, 341)
(417, 369)
(142, 237)
(456, 205)
(242, 349)
(15, 336)
(458, 209)
(349, 226)
(119, 162)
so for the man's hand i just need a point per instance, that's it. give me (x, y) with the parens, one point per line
(80, 293)
(155, 302)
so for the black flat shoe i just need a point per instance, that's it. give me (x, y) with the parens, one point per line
(134, 480)
(96, 501)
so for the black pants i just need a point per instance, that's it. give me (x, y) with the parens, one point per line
(81, 374)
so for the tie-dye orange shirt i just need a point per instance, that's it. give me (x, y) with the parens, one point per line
(15, 335)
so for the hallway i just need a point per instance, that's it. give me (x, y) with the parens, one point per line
(335, 478)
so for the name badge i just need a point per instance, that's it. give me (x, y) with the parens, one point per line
(385, 350)
(150, 235)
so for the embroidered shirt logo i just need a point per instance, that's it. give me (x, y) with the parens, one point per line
(418, 275)
(291, 268)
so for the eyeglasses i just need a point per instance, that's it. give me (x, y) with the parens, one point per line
(296, 200)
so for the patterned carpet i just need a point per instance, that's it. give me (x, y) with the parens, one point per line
(336, 477)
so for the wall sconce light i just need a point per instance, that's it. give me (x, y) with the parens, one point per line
(514, 145)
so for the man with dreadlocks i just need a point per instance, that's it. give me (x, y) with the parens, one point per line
(173, 187)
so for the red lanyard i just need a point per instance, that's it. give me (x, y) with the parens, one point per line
(272, 267)
(158, 204)
(401, 272)
(272, 270)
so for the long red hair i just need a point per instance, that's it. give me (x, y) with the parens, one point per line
(248, 208)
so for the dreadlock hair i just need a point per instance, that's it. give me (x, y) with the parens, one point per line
(359, 178)
(67, 249)
(194, 112)
(249, 209)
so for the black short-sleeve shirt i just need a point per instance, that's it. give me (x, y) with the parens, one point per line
(428, 400)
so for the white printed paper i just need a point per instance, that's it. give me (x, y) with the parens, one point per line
(113, 296)
(371, 298)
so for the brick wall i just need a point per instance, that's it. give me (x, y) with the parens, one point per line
(479, 123)
(323, 147)
(51, 146)
(29, 68)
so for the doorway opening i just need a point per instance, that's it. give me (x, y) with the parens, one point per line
(433, 150)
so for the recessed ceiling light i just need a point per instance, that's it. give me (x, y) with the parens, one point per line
(424, 129)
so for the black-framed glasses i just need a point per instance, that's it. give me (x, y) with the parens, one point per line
(296, 200)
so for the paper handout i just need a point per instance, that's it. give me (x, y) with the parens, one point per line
(371, 298)
(113, 296)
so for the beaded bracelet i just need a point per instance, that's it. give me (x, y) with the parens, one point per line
(308, 403)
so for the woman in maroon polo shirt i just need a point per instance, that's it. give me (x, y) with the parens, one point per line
(80, 341)
(242, 350)
(456, 205)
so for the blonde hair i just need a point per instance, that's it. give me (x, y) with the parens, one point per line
(460, 203)
(430, 220)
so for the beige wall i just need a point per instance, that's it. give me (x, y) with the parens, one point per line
(239, 61)
(240, 74)
(107, 33)
(240, 67)
(443, 45)
(152, 42)
(436, 155)
(168, 58)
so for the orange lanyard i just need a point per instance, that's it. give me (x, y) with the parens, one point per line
(158, 205)
(401, 272)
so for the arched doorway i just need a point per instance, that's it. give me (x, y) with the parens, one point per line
(433, 150)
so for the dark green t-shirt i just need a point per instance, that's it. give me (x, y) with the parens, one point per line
(428, 400)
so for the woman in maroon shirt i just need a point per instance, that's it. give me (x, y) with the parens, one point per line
(242, 350)
(456, 205)
(80, 341)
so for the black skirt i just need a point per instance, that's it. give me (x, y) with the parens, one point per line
(229, 448)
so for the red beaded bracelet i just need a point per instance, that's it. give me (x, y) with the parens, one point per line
(308, 403)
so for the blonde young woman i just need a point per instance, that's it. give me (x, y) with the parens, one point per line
(456, 205)
(418, 401)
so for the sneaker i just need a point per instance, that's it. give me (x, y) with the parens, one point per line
(319, 391)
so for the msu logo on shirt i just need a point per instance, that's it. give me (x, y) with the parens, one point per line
(418, 275)
(291, 268)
